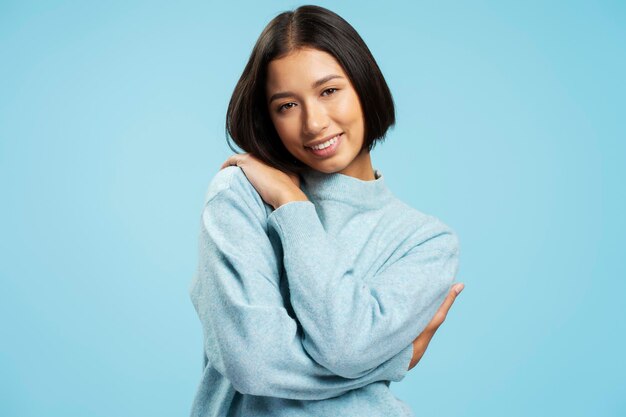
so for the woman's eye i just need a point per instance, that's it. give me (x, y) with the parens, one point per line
(286, 106)
(329, 91)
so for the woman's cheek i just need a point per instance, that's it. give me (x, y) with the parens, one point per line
(342, 107)
(289, 136)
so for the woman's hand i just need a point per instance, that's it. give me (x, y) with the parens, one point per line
(273, 185)
(421, 343)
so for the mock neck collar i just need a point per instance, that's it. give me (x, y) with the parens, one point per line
(339, 187)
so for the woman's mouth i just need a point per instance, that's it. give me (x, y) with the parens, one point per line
(327, 148)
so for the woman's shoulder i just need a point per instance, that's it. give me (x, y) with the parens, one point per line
(232, 184)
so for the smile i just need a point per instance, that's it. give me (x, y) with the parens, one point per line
(327, 148)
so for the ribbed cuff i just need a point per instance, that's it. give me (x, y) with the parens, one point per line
(402, 361)
(293, 216)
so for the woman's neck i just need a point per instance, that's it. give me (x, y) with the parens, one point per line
(361, 167)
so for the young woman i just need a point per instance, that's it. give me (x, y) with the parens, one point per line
(316, 286)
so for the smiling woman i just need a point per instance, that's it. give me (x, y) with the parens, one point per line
(300, 55)
(317, 113)
(316, 286)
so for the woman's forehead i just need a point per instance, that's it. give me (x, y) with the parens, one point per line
(300, 69)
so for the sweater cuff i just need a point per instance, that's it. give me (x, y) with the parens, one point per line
(294, 215)
(402, 362)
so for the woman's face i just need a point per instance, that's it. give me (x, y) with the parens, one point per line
(312, 102)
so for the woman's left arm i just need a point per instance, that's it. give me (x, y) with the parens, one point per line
(352, 326)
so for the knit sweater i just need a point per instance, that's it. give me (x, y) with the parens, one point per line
(311, 309)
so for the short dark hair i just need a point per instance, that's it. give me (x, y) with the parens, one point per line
(248, 120)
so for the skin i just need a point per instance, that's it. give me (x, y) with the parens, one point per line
(307, 112)
(304, 110)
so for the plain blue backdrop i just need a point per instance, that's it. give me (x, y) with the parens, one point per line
(510, 128)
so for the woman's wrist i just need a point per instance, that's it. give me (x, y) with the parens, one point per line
(289, 196)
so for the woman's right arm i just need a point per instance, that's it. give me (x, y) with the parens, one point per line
(249, 336)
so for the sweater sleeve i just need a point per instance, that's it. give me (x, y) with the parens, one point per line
(352, 326)
(249, 336)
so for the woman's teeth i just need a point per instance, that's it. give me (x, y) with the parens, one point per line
(325, 144)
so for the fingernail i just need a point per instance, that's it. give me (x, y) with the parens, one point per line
(459, 288)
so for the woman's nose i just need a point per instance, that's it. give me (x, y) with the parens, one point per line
(315, 120)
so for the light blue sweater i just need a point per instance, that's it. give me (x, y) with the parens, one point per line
(310, 309)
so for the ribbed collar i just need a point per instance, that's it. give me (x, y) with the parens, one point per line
(339, 187)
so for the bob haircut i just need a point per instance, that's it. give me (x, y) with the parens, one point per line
(248, 120)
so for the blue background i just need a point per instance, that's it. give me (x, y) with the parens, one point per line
(510, 129)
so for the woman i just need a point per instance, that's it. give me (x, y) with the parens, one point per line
(313, 280)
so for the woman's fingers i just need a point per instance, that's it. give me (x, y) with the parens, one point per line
(271, 183)
(228, 163)
(442, 312)
(420, 344)
(235, 159)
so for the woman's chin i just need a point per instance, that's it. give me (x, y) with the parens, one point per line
(326, 168)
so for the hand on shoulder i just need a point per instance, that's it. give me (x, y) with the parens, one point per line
(273, 185)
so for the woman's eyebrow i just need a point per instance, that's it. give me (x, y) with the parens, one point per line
(324, 80)
(316, 84)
